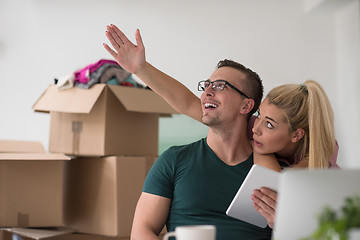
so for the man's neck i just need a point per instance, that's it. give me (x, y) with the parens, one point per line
(232, 146)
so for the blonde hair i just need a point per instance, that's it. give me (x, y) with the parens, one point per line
(307, 106)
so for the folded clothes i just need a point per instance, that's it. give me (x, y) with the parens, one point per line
(113, 81)
(120, 74)
(66, 82)
(103, 71)
(83, 75)
(97, 74)
(131, 82)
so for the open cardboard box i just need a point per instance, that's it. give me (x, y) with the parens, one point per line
(102, 193)
(103, 120)
(31, 185)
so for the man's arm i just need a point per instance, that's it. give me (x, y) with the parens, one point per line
(132, 58)
(150, 216)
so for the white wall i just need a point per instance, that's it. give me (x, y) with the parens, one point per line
(348, 81)
(284, 41)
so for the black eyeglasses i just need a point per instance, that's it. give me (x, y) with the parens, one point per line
(218, 85)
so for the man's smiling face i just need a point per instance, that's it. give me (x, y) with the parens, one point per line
(221, 107)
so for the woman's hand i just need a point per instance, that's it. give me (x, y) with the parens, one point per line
(264, 201)
(127, 55)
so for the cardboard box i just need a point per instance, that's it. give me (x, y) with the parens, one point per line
(77, 236)
(102, 193)
(35, 233)
(14, 146)
(31, 186)
(103, 120)
(53, 234)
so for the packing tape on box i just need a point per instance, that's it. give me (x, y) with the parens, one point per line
(76, 130)
(22, 219)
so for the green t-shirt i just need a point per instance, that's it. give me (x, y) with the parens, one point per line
(201, 187)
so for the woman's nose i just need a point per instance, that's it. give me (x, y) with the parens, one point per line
(256, 129)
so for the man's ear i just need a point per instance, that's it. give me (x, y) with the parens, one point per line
(297, 135)
(248, 106)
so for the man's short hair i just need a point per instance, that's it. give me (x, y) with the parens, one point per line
(253, 83)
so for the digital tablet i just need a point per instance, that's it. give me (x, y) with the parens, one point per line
(241, 206)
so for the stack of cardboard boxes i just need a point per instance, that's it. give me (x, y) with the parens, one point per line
(111, 134)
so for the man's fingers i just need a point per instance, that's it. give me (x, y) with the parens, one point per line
(115, 34)
(139, 41)
(112, 52)
(110, 36)
(120, 35)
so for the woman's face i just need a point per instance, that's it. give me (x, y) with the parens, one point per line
(271, 131)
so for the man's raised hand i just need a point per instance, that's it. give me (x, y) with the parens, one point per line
(127, 55)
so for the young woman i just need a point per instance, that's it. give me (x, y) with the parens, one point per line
(295, 124)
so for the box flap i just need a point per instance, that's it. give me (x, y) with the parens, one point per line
(12, 146)
(141, 100)
(73, 100)
(33, 156)
(38, 233)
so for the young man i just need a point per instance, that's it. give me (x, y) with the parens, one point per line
(194, 184)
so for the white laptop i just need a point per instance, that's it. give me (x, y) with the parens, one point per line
(241, 206)
(303, 194)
